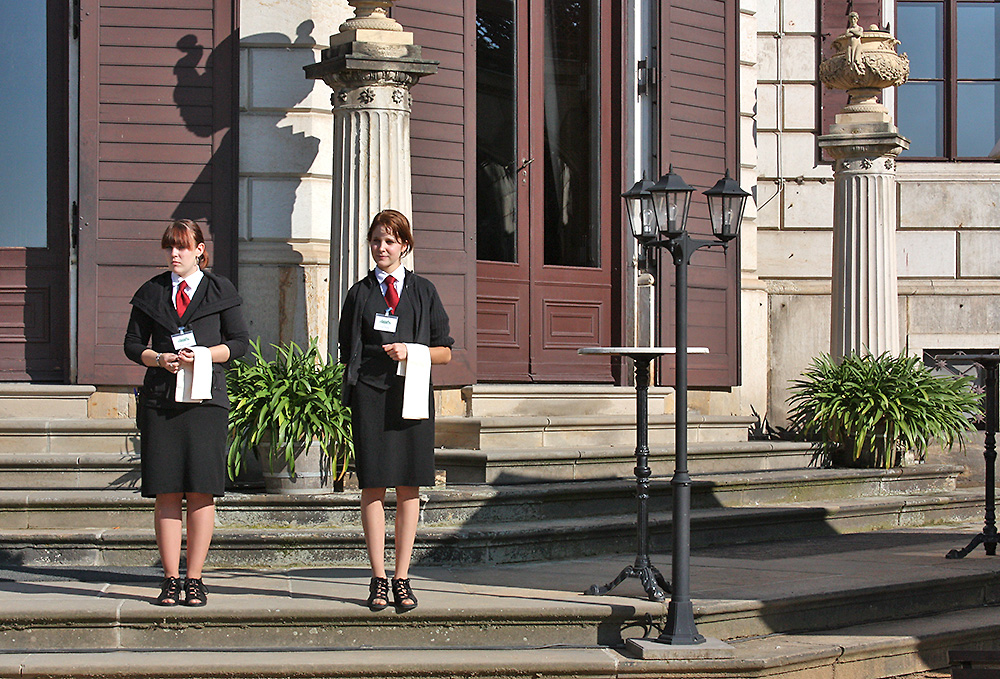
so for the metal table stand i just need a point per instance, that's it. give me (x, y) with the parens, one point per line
(652, 580)
(989, 365)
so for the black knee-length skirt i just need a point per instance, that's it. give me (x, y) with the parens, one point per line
(388, 450)
(183, 450)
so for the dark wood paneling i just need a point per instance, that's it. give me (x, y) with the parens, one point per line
(699, 117)
(833, 23)
(442, 132)
(157, 110)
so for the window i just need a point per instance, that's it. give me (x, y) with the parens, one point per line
(24, 119)
(950, 107)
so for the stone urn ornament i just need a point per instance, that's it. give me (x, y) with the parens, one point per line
(864, 63)
(371, 15)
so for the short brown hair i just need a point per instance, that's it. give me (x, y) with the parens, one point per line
(185, 233)
(395, 223)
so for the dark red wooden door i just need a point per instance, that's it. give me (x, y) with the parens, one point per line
(699, 118)
(544, 272)
(35, 211)
(157, 110)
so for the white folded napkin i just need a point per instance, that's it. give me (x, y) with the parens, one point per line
(417, 370)
(194, 384)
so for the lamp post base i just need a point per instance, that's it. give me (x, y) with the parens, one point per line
(653, 649)
(652, 580)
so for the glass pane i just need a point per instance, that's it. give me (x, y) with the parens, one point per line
(920, 29)
(24, 148)
(496, 141)
(572, 97)
(978, 32)
(978, 116)
(920, 117)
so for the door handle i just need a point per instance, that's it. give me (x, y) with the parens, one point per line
(524, 164)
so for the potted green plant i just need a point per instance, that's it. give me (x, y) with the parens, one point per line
(875, 408)
(288, 412)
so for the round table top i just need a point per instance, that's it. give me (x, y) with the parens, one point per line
(639, 351)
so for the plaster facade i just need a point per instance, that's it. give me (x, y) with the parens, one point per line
(947, 238)
(286, 167)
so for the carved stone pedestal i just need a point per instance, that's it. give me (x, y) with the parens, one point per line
(864, 143)
(865, 316)
(371, 66)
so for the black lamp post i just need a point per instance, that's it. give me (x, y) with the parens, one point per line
(671, 200)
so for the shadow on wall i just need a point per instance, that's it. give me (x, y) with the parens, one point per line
(290, 153)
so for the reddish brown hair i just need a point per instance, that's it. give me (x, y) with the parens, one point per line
(185, 233)
(395, 223)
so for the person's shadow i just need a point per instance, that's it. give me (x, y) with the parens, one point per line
(206, 86)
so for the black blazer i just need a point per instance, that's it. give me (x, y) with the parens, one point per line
(213, 315)
(431, 320)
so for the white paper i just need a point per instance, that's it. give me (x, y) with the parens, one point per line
(194, 384)
(416, 389)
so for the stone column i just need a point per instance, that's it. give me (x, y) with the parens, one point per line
(863, 141)
(371, 65)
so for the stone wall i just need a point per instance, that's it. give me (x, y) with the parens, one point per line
(286, 167)
(947, 238)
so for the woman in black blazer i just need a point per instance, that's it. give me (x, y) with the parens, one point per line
(183, 444)
(390, 451)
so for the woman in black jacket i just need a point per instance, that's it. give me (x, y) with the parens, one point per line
(183, 443)
(383, 313)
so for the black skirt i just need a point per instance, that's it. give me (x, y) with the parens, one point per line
(183, 450)
(388, 450)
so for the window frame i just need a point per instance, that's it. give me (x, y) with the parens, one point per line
(950, 81)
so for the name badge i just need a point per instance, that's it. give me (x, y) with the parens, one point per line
(386, 322)
(183, 339)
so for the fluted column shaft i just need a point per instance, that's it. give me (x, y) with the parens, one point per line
(371, 66)
(865, 315)
(371, 131)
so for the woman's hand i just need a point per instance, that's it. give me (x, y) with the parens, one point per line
(396, 352)
(169, 362)
(186, 357)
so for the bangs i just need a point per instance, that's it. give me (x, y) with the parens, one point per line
(178, 236)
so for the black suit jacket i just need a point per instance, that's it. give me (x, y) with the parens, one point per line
(213, 315)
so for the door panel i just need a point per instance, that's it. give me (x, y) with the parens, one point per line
(157, 108)
(698, 122)
(34, 193)
(544, 271)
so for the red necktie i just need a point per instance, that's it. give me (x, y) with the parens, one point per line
(391, 296)
(182, 298)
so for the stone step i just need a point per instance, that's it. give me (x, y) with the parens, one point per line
(496, 467)
(74, 435)
(886, 598)
(591, 431)
(94, 471)
(904, 650)
(547, 400)
(480, 505)
(58, 401)
(510, 466)
(38, 435)
(485, 543)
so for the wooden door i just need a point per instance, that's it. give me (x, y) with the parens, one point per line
(698, 113)
(544, 250)
(35, 214)
(157, 111)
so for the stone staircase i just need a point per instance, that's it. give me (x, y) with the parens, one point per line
(534, 478)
